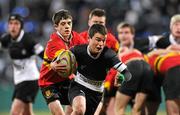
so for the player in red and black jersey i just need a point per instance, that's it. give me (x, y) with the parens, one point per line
(166, 63)
(141, 84)
(55, 88)
(98, 16)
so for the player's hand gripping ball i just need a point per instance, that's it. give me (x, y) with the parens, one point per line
(66, 63)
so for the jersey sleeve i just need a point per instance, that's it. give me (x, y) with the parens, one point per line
(84, 36)
(114, 61)
(51, 50)
(33, 44)
(78, 39)
(111, 57)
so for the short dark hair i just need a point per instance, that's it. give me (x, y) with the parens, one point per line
(61, 14)
(97, 28)
(125, 24)
(97, 12)
(17, 17)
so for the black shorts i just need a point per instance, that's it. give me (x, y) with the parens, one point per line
(58, 91)
(155, 94)
(111, 92)
(141, 81)
(92, 97)
(26, 91)
(171, 85)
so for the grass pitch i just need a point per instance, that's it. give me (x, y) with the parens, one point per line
(48, 113)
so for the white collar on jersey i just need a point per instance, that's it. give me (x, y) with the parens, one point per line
(89, 53)
(20, 36)
(172, 40)
(67, 41)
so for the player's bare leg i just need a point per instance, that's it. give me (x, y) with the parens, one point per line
(79, 105)
(99, 109)
(139, 102)
(17, 107)
(68, 110)
(56, 108)
(150, 108)
(28, 109)
(173, 107)
(121, 102)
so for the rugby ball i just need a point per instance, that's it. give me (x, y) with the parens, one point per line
(67, 59)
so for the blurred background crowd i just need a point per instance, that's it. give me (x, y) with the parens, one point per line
(147, 16)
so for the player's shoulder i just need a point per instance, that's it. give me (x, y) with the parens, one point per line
(110, 35)
(5, 39)
(29, 39)
(28, 36)
(5, 36)
(107, 51)
(54, 37)
(78, 38)
(84, 34)
(75, 34)
(80, 47)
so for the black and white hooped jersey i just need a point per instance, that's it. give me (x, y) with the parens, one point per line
(162, 42)
(155, 41)
(22, 52)
(95, 68)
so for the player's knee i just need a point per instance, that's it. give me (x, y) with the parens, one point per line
(13, 112)
(28, 112)
(79, 109)
(78, 112)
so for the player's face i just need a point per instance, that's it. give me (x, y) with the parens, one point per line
(64, 27)
(97, 43)
(97, 20)
(14, 28)
(125, 36)
(175, 30)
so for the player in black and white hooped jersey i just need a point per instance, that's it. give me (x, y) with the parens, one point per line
(22, 49)
(94, 59)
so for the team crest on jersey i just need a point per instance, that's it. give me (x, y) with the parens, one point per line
(48, 94)
(23, 52)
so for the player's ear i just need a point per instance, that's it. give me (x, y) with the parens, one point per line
(55, 26)
(89, 23)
